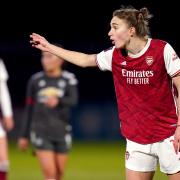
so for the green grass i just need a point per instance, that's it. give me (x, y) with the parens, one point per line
(87, 161)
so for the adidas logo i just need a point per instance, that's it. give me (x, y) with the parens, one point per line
(123, 63)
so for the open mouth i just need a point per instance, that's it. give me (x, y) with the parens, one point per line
(113, 42)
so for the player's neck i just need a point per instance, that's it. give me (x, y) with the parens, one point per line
(54, 73)
(136, 45)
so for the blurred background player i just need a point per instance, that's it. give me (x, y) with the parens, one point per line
(143, 77)
(6, 122)
(50, 95)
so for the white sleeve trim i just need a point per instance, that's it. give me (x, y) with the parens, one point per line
(172, 61)
(104, 59)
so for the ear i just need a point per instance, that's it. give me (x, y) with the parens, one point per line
(132, 31)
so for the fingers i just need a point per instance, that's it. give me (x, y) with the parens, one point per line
(23, 144)
(35, 39)
(39, 42)
(34, 42)
(36, 35)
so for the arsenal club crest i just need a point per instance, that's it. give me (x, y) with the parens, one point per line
(149, 60)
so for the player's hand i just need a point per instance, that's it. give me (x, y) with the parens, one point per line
(52, 102)
(8, 123)
(177, 140)
(23, 144)
(39, 42)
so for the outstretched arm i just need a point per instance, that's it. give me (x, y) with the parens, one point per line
(77, 58)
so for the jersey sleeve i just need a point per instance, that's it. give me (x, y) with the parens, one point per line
(5, 100)
(172, 61)
(3, 72)
(71, 95)
(104, 59)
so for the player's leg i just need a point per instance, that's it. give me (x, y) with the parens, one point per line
(47, 162)
(140, 162)
(175, 176)
(168, 159)
(61, 160)
(44, 149)
(135, 175)
(4, 163)
(62, 149)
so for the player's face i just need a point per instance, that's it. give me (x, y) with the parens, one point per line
(120, 33)
(50, 62)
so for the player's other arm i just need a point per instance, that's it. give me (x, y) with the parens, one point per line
(77, 58)
(176, 81)
(6, 107)
(172, 64)
(26, 122)
(5, 100)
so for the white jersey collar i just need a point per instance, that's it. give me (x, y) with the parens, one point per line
(142, 51)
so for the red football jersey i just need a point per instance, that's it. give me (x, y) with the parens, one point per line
(143, 85)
